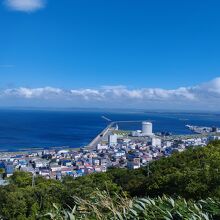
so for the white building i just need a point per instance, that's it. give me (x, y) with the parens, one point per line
(40, 163)
(63, 152)
(101, 147)
(134, 163)
(137, 133)
(213, 138)
(147, 128)
(112, 139)
(167, 143)
(156, 142)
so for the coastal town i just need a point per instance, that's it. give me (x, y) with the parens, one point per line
(111, 148)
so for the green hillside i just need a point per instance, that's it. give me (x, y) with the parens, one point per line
(190, 180)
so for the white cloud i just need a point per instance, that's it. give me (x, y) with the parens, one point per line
(25, 5)
(212, 86)
(46, 92)
(87, 94)
(206, 95)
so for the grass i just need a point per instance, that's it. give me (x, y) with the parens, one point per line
(101, 206)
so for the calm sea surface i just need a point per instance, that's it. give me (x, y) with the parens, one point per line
(20, 129)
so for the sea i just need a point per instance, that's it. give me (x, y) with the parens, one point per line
(24, 129)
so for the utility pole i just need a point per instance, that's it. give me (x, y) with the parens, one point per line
(33, 179)
(148, 169)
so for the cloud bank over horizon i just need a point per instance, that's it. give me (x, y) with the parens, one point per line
(205, 96)
(25, 5)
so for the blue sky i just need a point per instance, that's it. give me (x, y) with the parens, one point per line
(83, 45)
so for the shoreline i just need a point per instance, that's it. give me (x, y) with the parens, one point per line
(97, 139)
(33, 150)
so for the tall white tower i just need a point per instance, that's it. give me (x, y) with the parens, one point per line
(147, 128)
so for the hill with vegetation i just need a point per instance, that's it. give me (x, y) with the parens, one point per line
(183, 186)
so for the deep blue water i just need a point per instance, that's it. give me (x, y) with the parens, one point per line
(21, 129)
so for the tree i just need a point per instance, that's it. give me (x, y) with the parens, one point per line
(21, 179)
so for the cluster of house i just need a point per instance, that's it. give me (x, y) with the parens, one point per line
(121, 152)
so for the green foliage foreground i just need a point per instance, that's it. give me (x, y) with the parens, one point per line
(102, 207)
(191, 178)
